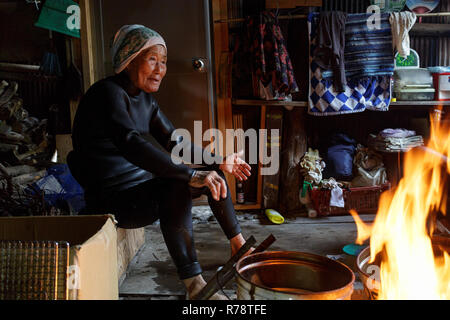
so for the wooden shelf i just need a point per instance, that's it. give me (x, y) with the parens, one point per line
(431, 30)
(247, 206)
(249, 102)
(420, 103)
(244, 102)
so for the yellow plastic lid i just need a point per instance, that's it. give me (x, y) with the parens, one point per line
(274, 216)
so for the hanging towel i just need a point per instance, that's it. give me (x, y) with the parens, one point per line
(401, 23)
(368, 52)
(329, 52)
(369, 87)
(373, 93)
(271, 63)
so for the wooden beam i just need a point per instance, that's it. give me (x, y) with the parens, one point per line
(248, 206)
(281, 4)
(292, 150)
(274, 120)
(431, 29)
(87, 43)
(224, 108)
(262, 126)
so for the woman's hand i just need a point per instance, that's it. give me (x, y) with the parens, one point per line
(234, 165)
(212, 180)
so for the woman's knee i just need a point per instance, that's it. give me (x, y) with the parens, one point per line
(175, 197)
(173, 187)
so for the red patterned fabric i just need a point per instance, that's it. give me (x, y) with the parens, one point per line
(271, 62)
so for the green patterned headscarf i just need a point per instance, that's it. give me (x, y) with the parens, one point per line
(129, 41)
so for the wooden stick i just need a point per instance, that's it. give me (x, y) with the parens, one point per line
(232, 273)
(440, 226)
(225, 274)
(18, 67)
(212, 286)
(28, 177)
(265, 244)
(18, 170)
(6, 147)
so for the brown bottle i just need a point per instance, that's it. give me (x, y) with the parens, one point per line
(240, 193)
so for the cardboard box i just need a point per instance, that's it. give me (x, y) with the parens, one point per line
(129, 241)
(92, 268)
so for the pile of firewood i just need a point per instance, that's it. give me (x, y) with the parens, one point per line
(25, 153)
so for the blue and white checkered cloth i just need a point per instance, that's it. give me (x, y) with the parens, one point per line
(372, 92)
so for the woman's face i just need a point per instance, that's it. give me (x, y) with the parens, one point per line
(147, 70)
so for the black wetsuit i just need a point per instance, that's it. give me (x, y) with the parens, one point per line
(124, 174)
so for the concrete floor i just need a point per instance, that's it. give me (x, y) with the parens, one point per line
(152, 275)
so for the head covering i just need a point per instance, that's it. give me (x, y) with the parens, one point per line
(131, 40)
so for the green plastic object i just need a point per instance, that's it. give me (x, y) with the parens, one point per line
(55, 16)
(411, 62)
(353, 249)
(390, 5)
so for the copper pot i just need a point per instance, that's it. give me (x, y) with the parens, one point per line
(290, 275)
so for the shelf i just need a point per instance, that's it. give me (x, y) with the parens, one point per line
(243, 102)
(247, 206)
(249, 102)
(420, 103)
(431, 30)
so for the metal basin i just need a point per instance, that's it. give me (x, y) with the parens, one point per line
(290, 275)
(369, 273)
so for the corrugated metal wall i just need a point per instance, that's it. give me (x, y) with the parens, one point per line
(349, 6)
(433, 51)
(38, 91)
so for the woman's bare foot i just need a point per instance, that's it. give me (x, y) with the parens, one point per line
(195, 284)
(236, 243)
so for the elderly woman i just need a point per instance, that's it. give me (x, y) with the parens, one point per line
(124, 174)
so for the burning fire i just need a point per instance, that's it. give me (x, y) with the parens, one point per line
(401, 230)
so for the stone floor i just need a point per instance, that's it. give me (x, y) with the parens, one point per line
(152, 275)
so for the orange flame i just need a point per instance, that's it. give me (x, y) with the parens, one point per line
(401, 230)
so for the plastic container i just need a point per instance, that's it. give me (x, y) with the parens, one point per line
(426, 94)
(442, 85)
(414, 84)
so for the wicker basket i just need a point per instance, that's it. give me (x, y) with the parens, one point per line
(361, 199)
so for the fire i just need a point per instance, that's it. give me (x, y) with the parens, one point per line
(401, 231)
